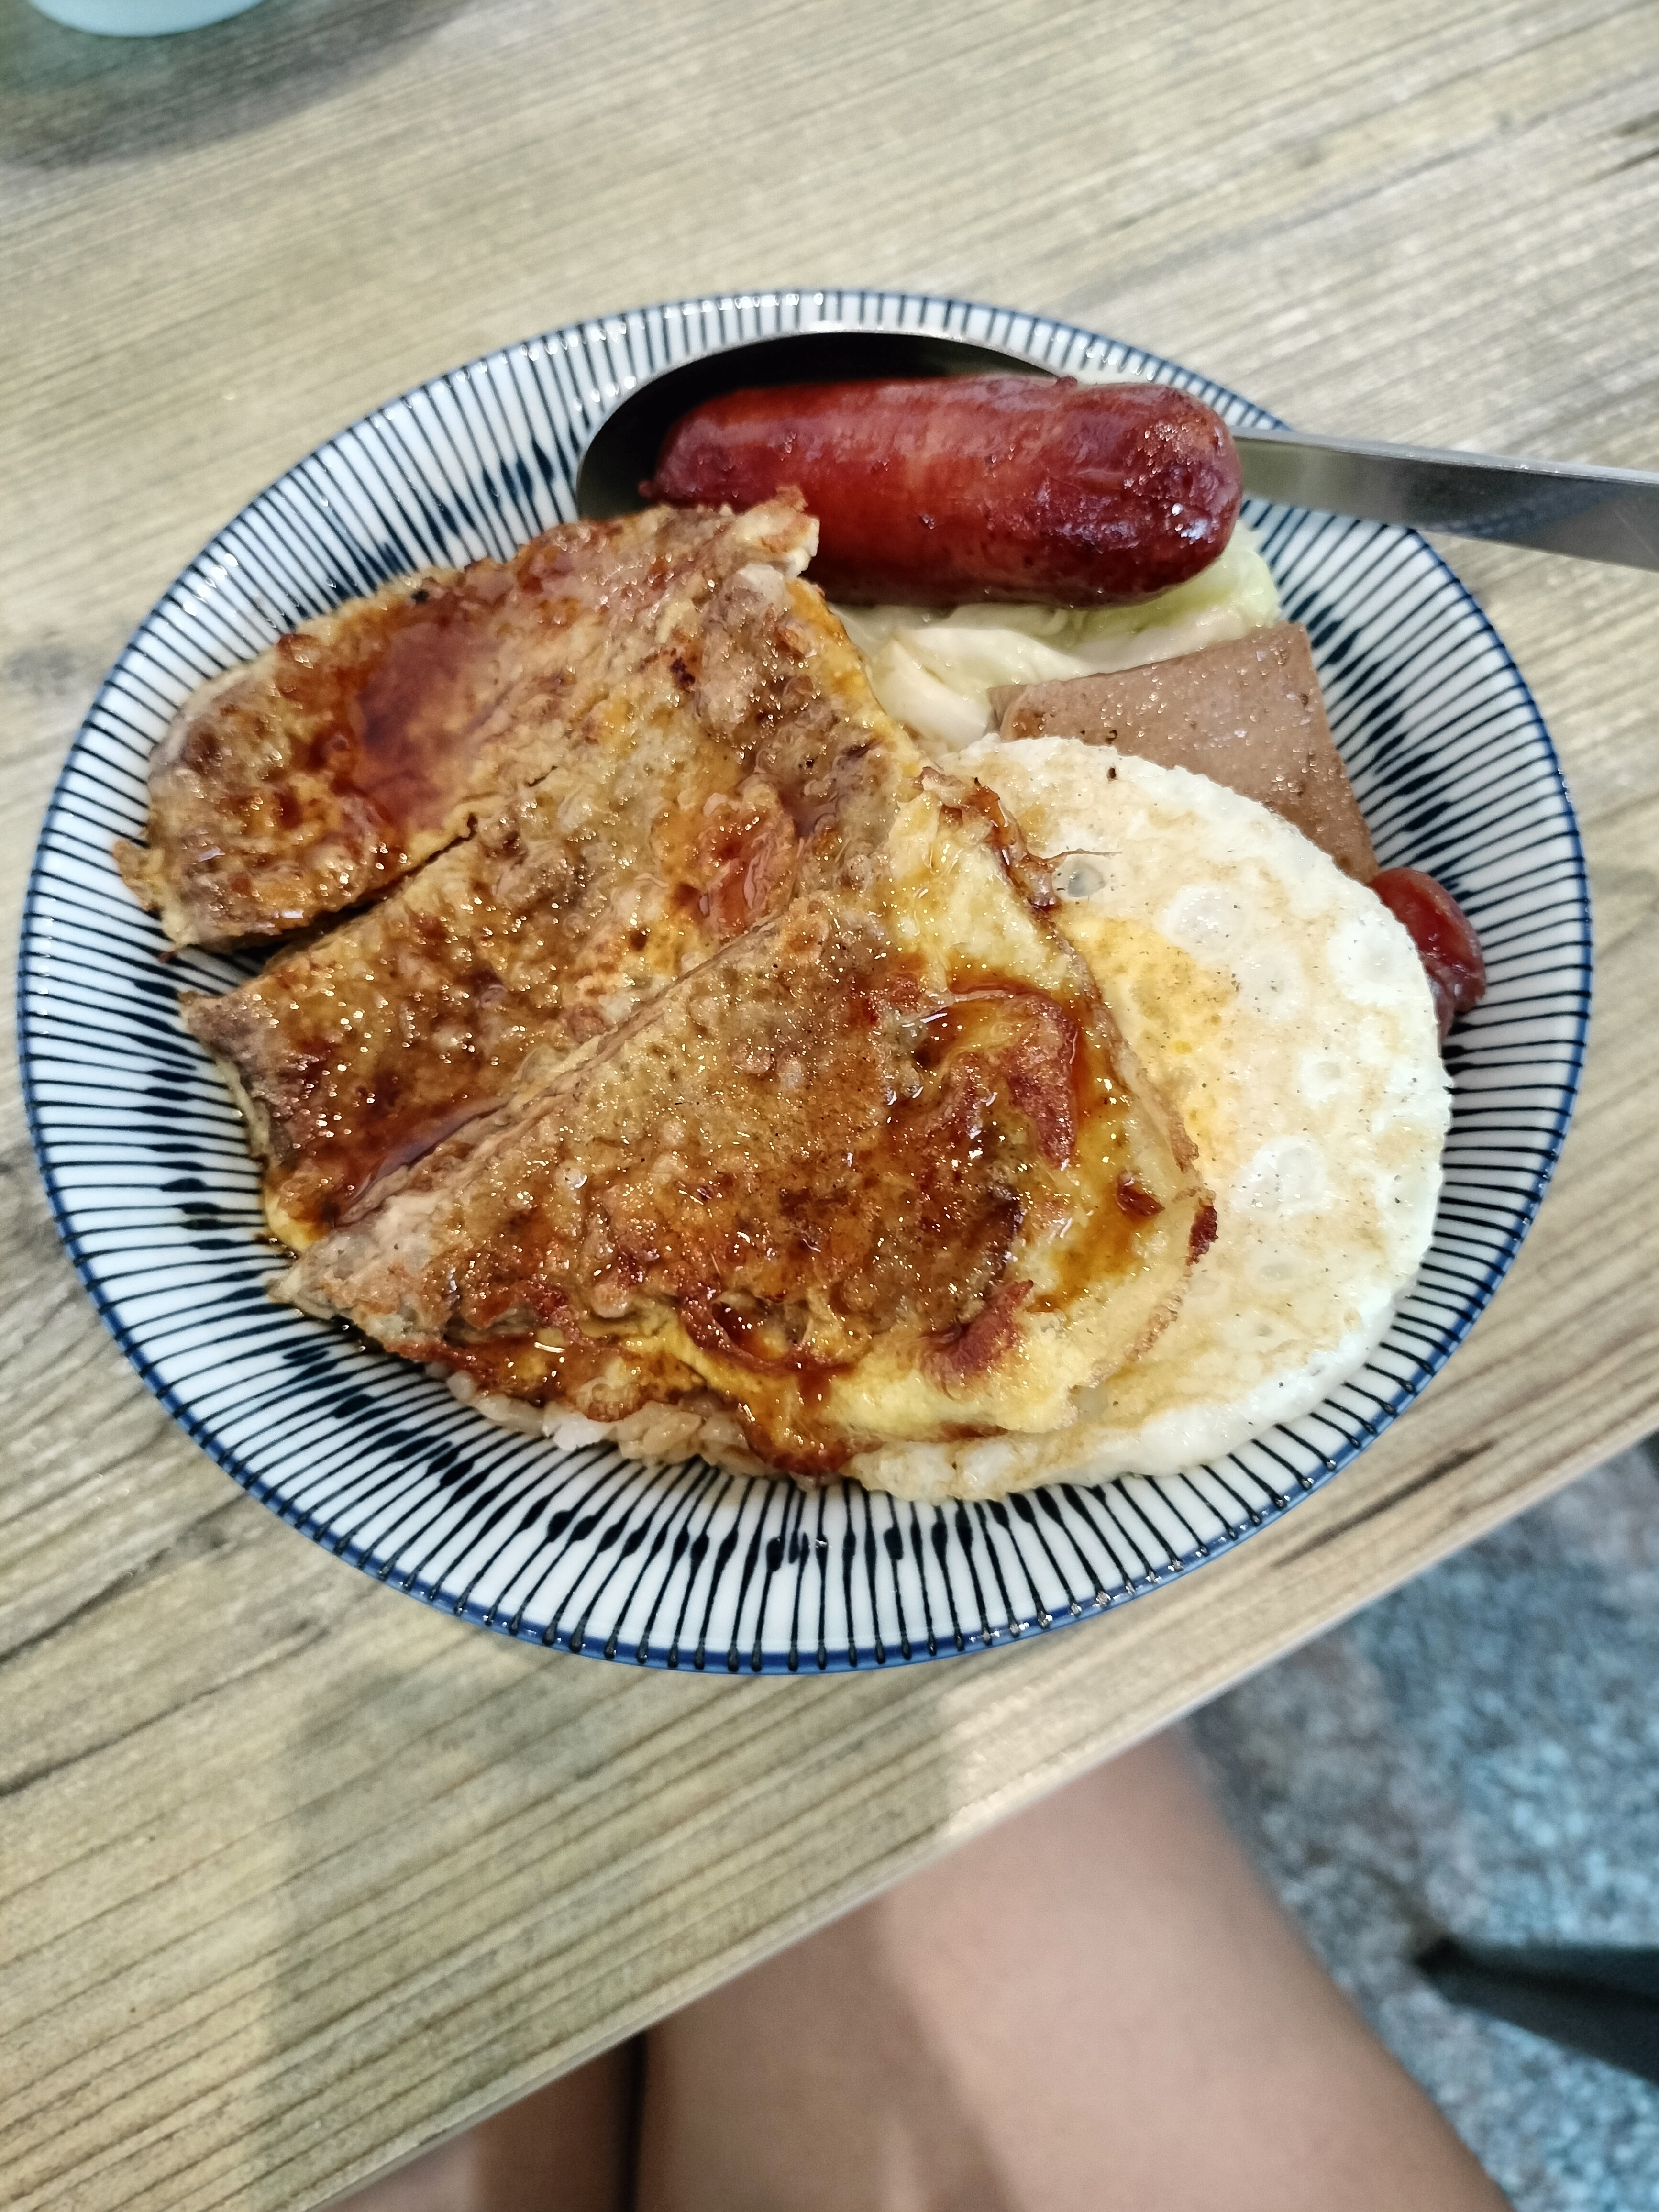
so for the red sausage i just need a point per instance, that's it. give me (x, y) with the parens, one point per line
(935, 490)
(1443, 935)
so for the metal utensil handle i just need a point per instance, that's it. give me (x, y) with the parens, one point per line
(1596, 514)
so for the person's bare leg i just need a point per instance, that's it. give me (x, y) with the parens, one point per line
(565, 2148)
(1096, 2005)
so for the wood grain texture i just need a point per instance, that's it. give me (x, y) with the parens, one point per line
(298, 1876)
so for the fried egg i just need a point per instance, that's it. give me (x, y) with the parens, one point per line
(1284, 1013)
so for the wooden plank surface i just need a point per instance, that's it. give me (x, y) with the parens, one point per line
(299, 1876)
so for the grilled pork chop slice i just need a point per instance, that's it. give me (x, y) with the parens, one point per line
(882, 1168)
(366, 741)
(746, 757)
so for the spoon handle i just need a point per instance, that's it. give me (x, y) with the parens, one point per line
(1594, 515)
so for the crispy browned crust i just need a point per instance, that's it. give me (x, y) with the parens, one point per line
(871, 1169)
(741, 760)
(366, 741)
(735, 1056)
(810, 1162)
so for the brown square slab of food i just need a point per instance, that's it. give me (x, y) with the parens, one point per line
(1247, 713)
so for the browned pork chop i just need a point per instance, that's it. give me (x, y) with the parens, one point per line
(366, 741)
(881, 1168)
(746, 757)
(1247, 713)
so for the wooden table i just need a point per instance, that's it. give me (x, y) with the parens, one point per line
(300, 1876)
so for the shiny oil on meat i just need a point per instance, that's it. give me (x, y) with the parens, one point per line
(881, 1167)
(743, 759)
(364, 742)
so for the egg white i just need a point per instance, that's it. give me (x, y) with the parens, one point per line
(1284, 1012)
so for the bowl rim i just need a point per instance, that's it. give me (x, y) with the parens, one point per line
(202, 1431)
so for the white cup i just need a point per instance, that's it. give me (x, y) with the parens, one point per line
(139, 19)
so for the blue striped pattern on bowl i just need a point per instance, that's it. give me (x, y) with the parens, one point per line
(157, 1199)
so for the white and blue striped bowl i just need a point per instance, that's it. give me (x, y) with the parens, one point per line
(158, 1202)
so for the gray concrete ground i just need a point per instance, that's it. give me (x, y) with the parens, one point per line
(1479, 1752)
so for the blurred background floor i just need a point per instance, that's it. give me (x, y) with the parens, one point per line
(1478, 1753)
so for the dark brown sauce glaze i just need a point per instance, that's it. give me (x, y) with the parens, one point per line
(1133, 1199)
(670, 826)
(758, 1341)
(806, 1149)
(1031, 877)
(579, 1370)
(366, 740)
(1204, 1231)
(742, 866)
(957, 1354)
(393, 724)
(1034, 1044)
(942, 1132)
(415, 717)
